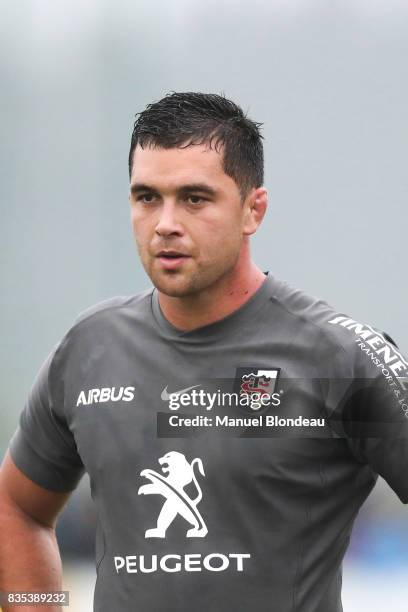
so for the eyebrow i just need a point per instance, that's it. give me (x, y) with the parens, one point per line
(182, 190)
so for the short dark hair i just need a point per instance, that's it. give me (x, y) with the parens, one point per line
(184, 119)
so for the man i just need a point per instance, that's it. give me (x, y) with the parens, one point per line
(231, 426)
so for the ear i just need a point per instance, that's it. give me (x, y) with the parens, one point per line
(255, 205)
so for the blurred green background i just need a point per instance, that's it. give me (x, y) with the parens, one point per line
(327, 79)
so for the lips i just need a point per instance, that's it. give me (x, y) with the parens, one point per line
(171, 254)
(171, 259)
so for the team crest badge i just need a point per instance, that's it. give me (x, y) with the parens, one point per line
(255, 382)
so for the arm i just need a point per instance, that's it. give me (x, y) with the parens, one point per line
(29, 554)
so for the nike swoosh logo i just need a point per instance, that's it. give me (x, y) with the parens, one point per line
(165, 395)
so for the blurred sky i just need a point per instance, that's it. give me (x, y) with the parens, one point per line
(327, 79)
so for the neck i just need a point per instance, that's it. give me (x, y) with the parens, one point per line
(213, 303)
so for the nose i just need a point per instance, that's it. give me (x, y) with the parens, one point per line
(167, 223)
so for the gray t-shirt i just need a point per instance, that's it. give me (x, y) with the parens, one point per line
(206, 497)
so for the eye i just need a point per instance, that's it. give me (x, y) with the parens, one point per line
(146, 198)
(195, 199)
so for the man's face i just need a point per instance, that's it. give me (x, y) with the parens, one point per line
(188, 217)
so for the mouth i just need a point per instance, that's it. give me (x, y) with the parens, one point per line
(171, 259)
(171, 253)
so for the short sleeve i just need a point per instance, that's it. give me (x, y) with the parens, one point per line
(375, 409)
(43, 447)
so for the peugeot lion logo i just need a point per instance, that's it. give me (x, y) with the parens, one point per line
(180, 474)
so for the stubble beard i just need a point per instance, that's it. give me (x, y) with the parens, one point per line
(188, 283)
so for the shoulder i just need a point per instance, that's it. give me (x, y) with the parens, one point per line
(112, 307)
(336, 330)
(99, 323)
